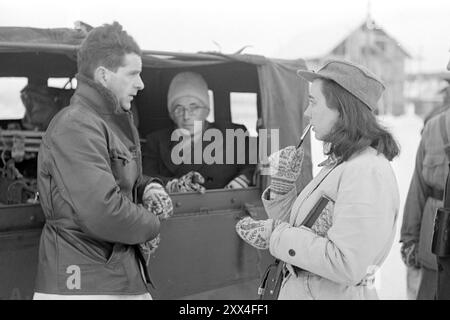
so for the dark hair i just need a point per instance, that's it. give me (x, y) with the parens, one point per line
(357, 127)
(105, 46)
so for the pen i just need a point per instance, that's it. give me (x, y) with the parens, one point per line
(305, 132)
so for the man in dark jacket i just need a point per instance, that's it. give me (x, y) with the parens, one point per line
(188, 106)
(90, 181)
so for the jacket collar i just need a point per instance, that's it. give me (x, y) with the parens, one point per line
(100, 98)
(332, 159)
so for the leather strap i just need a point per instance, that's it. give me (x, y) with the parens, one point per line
(316, 211)
(436, 194)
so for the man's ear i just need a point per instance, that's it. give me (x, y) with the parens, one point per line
(101, 76)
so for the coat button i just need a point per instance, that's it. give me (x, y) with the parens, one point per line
(291, 252)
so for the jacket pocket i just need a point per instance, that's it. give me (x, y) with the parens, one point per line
(435, 169)
(124, 169)
(92, 279)
(117, 254)
(75, 248)
(82, 268)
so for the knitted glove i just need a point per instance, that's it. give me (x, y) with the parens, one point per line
(149, 247)
(409, 251)
(157, 201)
(256, 232)
(190, 182)
(239, 182)
(285, 168)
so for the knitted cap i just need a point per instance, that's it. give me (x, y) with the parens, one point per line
(187, 84)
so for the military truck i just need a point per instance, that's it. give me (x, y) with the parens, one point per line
(200, 255)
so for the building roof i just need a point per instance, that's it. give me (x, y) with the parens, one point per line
(316, 48)
(369, 25)
(27, 35)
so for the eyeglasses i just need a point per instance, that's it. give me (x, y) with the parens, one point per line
(192, 110)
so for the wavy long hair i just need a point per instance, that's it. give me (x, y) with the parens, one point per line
(357, 127)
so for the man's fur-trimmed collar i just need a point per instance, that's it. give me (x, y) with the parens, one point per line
(103, 100)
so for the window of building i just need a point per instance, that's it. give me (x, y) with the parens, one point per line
(368, 51)
(381, 45)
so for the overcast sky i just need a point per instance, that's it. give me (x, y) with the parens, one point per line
(280, 28)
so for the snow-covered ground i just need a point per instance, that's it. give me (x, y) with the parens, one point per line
(391, 278)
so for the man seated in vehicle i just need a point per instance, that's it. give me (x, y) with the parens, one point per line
(188, 106)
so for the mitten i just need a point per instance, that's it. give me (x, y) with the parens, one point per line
(239, 182)
(190, 182)
(149, 247)
(256, 232)
(409, 251)
(285, 166)
(157, 201)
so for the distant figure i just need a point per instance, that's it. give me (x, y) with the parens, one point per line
(445, 105)
(188, 103)
(443, 285)
(425, 195)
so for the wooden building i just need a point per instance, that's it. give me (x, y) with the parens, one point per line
(374, 48)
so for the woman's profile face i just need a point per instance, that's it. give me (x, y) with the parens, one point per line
(322, 118)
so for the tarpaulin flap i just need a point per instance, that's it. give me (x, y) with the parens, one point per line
(284, 97)
(42, 36)
(181, 60)
(150, 61)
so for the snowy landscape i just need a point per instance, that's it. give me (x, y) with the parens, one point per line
(406, 129)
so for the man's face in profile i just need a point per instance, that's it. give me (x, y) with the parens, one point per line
(126, 81)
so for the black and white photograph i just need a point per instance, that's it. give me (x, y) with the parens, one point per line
(225, 151)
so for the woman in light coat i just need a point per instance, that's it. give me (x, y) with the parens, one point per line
(338, 256)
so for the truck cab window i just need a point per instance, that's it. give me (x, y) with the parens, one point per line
(11, 106)
(62, 83)
(244, 110)
(210, 117)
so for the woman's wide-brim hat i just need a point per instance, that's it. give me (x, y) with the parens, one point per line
(354, 78)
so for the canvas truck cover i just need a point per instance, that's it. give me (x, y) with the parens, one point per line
(55, 36)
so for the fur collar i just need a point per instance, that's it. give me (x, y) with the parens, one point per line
(103, 100)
